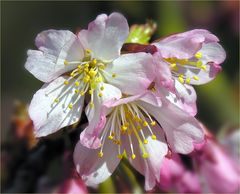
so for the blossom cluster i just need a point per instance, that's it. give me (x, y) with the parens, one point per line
(140, 103)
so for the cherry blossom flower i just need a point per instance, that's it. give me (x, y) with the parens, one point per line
(194, 57)
(87, 64)
(72, 186)
(176, 178)
(131, 127)
(185, 59)
(218, 171)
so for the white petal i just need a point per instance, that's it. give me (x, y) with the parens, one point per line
(156, 149)
(96, 114)
(55, 46)
(182, 130)
(132, 73)
(93, 169)
(105, 36)
(49, 116)
(184, 97)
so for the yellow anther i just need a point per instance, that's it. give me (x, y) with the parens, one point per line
(153, 123)
(139, 127)
(91, 104)
(173, 65)
(82, 93)
(114, 75)
(99, 79)
(154, 137)
(145, 123)
(66, 82)
(198, 55)
(180, 79)
(86, 65)
(65, 62)
(88, 51)
(120, 156)
(199, 64)
(100, 94)
(86, 78)
(70, 106)
(118, 142)
(195, 77)
(110, 137)
(92, 73)
(133, 156)
(90, 91)
(124, 128)
(204, 67)
(101, 88)
(56, 100)
(77, 83)
(76, 91)
(79, 67)
(86, 69)
(145, 141)
(188, 80)
(100, 154)
(94, 61)
(145, 155)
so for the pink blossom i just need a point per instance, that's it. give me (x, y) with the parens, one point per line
(218, 170)
(131, 127)
(72, 186)
(89, 63)
(175, 177)
(194, 57)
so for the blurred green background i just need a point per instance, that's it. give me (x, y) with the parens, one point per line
(218, 101)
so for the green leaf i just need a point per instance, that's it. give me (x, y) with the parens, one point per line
(141, 33)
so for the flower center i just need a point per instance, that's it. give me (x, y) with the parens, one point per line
(193, 64)
(84, 78)
(126, 122)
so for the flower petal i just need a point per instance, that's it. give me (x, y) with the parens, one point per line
(156, 149)
(132, 73)
(55, 46)
(93, 169)
(182, 130)
(49, 107)
(184, 45)
(105, 36)
(96, 115)
(163, 73)
(213, 52)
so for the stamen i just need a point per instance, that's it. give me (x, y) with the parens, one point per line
(188, 80)
(65, 62)
(100, 154)
(114, 75)
(70, 106)
(198, 55)
(145, 155)
(195, 77)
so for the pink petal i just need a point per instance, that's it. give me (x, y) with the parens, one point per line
(184, 45)
(133, 72)
(48, 116)
(54, 47)
(93, 169)
(97, 114)
(182, 130)
(214, 162)
(105, 36)
(149, 167)
(163, 73)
